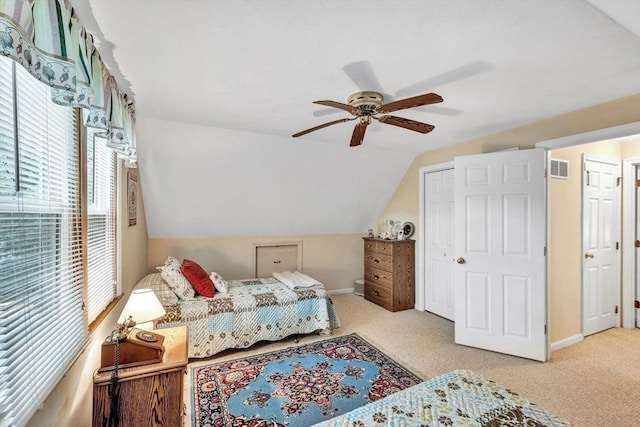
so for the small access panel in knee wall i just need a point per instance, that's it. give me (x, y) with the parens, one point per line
(277, 257)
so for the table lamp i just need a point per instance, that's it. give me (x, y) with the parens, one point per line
(126, 349)
(143, 307)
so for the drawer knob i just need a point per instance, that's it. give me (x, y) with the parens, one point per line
(377, 293)
(375, 276)
(376, 260)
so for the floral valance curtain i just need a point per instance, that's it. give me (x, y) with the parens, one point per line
(46, 38)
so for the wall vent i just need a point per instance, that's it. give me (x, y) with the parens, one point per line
(559, 169)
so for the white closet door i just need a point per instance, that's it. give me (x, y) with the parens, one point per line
(438, 238)
(600, 234)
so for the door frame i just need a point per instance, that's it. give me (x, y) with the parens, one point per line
(629, 267)
(420, 253)
(622, 131)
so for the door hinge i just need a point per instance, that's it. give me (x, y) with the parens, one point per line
(617, 246)
(545, 172)
(637, 182)
(545, 251)
(636, 304)
(636, 243)
(616, 309)
(619, 181)
(545, 329)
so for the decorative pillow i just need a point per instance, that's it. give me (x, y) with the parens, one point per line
(171, 272)
(159, 287)
(198, 278)
(219, 283)
(173, 263)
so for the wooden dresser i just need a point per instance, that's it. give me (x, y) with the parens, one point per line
(389, 273)
(150, 395)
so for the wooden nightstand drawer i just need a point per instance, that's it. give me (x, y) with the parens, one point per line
(378, 295)
(383, 262)
(379, 277)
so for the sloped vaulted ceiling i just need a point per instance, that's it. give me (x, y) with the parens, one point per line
(204, 181)
(221, 85)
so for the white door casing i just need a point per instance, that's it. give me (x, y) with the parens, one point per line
(500, 238)
(438, 237)
(630, 273)
(600, 240)
(637, 248)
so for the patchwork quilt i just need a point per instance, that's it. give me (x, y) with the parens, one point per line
(253, 310)
(458, 398)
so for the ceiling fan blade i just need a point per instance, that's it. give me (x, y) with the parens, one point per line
(335, 104)
(324, 125)
(462, 72)
(361, 73)
(414, 101)
(325, 112)
(406, 123)
(358, 134)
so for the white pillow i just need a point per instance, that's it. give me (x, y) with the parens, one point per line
(171, 272)
(219, 283)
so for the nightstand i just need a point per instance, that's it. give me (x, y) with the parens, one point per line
(150, 395)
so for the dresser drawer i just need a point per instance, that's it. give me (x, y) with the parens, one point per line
(383, 262)
(385, 248)
(378, 277)
(378, 295)
(369, 246)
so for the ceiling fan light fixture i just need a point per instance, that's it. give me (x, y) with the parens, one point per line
(366, 100)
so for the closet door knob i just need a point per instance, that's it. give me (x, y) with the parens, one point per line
(461, 260)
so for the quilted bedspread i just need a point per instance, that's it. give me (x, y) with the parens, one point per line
(458, 398)
(253, 310)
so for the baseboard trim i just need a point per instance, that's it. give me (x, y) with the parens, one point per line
(566, 342)
(341, 291)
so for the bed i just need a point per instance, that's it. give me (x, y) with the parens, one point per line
(457, 398)
(252, 310)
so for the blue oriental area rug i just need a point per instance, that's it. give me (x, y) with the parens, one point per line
(297, 386)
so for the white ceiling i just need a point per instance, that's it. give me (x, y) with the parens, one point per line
(257, 65)
(218, 78)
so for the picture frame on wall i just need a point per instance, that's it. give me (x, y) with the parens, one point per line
(132, 197)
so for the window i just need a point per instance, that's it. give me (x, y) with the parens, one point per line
(101, 268)
(43, 321)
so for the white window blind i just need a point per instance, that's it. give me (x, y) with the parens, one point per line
(42, 323)
(101, 270)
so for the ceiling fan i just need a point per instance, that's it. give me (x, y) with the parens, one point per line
(367, 105)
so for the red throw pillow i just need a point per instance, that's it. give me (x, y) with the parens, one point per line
(198, 278)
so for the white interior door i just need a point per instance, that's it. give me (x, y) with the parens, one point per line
(600, 236)
(438, 238)
(500, 238)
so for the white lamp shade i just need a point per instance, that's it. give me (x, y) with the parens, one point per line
(143, 306)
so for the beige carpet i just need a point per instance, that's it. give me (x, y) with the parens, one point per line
(593, 383)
